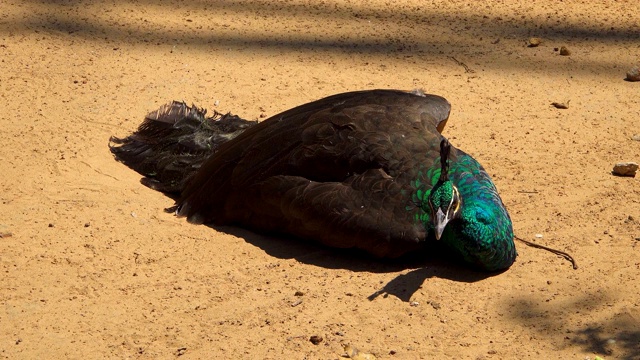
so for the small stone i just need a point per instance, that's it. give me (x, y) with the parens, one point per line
(414, 303)
(87, 224)
(564, 51)
(539, 236)
(625, 169)
(316, 339)
(534, 42)
(181, 351)
(633, 74)
(51, 225)
(559, 105)
(392, 352)
(355, 354)
(635, 137)
(298, 293)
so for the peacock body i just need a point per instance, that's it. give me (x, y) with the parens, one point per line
(367, 170)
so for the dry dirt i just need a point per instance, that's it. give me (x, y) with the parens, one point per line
(91, 266)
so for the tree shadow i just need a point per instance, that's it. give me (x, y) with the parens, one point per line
(618, 337)
(468, 30)
(600, 341)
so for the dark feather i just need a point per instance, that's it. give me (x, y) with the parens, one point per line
(173, 141)
(349, 170)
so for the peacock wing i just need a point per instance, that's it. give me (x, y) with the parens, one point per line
(330, 143)
(366, 211)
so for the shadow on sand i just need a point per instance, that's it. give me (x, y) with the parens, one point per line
(434, 261)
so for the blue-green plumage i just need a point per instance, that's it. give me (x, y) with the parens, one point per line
(364, 169)
(482, 232)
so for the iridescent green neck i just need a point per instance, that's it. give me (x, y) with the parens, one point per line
(483, 236)
(482, 233)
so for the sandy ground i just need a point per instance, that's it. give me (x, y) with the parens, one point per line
(91, 266)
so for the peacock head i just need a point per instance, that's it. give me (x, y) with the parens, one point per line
(444, 200)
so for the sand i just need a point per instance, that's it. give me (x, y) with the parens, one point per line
(93, 268)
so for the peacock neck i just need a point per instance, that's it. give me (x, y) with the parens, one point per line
(483, 236)
(482, 233)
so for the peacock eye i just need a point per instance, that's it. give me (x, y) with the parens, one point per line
(455, 204)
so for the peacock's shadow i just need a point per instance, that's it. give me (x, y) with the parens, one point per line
(431, 262)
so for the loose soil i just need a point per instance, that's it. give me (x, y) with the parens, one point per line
(92, 267)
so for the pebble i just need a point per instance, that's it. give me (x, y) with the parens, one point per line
(355, 354)
(539, 236)
(625, 169)
(559, 105)
(534, 42)
(633, 74)
(636, 137)
(316, 339)
(564, 51)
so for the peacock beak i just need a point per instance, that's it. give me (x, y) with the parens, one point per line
(441, 222)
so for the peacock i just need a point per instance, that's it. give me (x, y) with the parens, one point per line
(365, 169)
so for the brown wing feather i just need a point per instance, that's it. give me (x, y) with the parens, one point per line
(362, 212)
(337, 170)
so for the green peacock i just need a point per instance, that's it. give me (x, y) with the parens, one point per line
(367, 169)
